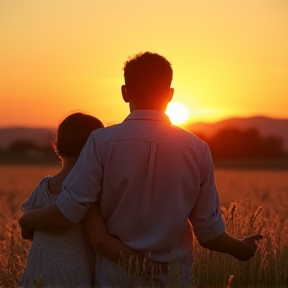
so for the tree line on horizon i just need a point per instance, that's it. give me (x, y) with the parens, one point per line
(233, 143)
(226, 144)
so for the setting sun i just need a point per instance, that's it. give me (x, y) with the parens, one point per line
(177, 113)
(224, 69)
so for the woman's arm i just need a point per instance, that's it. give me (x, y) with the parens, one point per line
(112, 247)
(101, 241)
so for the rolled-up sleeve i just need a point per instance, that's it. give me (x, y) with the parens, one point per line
(83, 185)
(206, 218)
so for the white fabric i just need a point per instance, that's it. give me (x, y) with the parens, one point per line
(152, 178)
(63, 260)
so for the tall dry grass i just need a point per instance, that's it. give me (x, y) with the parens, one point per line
(252, 202)
(16, 184)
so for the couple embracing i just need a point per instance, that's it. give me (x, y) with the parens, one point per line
(138, 187)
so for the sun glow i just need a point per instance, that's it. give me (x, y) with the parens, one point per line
(177, 113)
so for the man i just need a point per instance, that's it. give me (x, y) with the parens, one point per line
(153, 181)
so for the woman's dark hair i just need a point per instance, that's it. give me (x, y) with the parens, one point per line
(73, 133)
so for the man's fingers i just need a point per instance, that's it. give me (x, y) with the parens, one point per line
(252, 240)
(257, 237)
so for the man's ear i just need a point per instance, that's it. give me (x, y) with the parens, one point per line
(170, 94)
(125, 95)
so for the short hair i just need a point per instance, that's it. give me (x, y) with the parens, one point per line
(147, 75)
(73, 132)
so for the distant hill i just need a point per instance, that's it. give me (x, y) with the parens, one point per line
(265, 126)
(39, 136)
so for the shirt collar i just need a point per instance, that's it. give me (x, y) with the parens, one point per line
(150, 115)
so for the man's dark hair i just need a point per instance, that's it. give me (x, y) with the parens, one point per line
(73, 133)
(147, 75)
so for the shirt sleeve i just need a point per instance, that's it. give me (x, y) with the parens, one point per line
(83, 185)
(206, 217)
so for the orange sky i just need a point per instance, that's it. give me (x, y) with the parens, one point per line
(229, 56)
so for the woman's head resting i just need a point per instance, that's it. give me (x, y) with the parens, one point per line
(73, 132)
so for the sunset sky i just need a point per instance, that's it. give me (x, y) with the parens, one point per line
(230, 57)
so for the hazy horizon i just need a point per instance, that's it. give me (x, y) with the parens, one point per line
(182, 125)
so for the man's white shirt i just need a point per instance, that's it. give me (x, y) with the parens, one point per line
(154, 182)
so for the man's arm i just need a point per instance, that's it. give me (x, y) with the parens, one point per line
(241, 249)
(46, 219)
(82, 186)
(207, 221)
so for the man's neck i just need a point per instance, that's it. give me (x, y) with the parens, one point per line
(159, 108)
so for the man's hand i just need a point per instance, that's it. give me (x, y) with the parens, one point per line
(241, 249)
(27, 233)
(47, 219)
(249, 248)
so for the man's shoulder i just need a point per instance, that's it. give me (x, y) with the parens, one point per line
(169, 134)
(189, 138)
(105, 132)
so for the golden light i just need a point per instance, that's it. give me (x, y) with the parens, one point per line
(177, 113)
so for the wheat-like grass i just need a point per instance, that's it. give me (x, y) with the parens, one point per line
(252, 202)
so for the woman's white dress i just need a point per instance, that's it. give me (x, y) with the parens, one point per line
(63, 259)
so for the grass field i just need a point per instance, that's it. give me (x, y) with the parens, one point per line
(252, 202)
